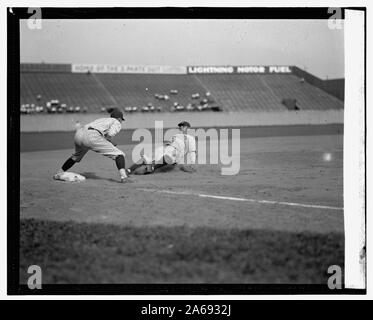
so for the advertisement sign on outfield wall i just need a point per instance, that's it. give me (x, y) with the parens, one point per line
(109, 68)
(146, 69)
(238, 69)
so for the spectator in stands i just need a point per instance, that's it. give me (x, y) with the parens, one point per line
(203, 102)
(48, 106)
(209, 98)
(199, 107)
(151, 107)
(189, 107)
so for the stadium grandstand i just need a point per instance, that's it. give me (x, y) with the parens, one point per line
(59, 88)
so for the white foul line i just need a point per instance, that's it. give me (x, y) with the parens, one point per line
(293, 204)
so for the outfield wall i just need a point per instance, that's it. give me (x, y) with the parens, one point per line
(68, 122)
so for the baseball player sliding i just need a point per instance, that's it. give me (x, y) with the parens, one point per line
(182, 146)
(96, 136)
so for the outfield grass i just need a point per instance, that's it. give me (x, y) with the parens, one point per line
(70, 252)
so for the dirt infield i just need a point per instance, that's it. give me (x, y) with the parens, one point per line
(306, 190)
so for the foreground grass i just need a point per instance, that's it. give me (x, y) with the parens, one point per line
(97, 253)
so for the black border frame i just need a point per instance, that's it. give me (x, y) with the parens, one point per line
(13, 150)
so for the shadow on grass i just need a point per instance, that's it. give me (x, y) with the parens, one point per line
(94, 176)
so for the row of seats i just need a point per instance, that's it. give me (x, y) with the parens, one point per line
(266, 92)
(53, 109)
(253, 92)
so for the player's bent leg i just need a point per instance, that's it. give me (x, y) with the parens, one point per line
(107, 149)
(135, 166)
(68, 164)
(120, 162)
(142, 169)
(168, 157)
(76, 157)
(160, 164)
(163, 157)
(143, 166)
(80, 150)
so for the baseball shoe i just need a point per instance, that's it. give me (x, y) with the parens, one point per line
(126, 180)
(58, 174)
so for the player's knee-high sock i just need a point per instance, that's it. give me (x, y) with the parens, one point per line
(68, 164)
(119, 161)
(135, 166)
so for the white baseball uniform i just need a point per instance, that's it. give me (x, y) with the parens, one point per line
(96, 136)
(181, 145)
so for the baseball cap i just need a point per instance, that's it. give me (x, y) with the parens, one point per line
(117, 114)
(184, 124)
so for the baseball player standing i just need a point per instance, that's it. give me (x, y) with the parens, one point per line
(182, 147)
(96, 136)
